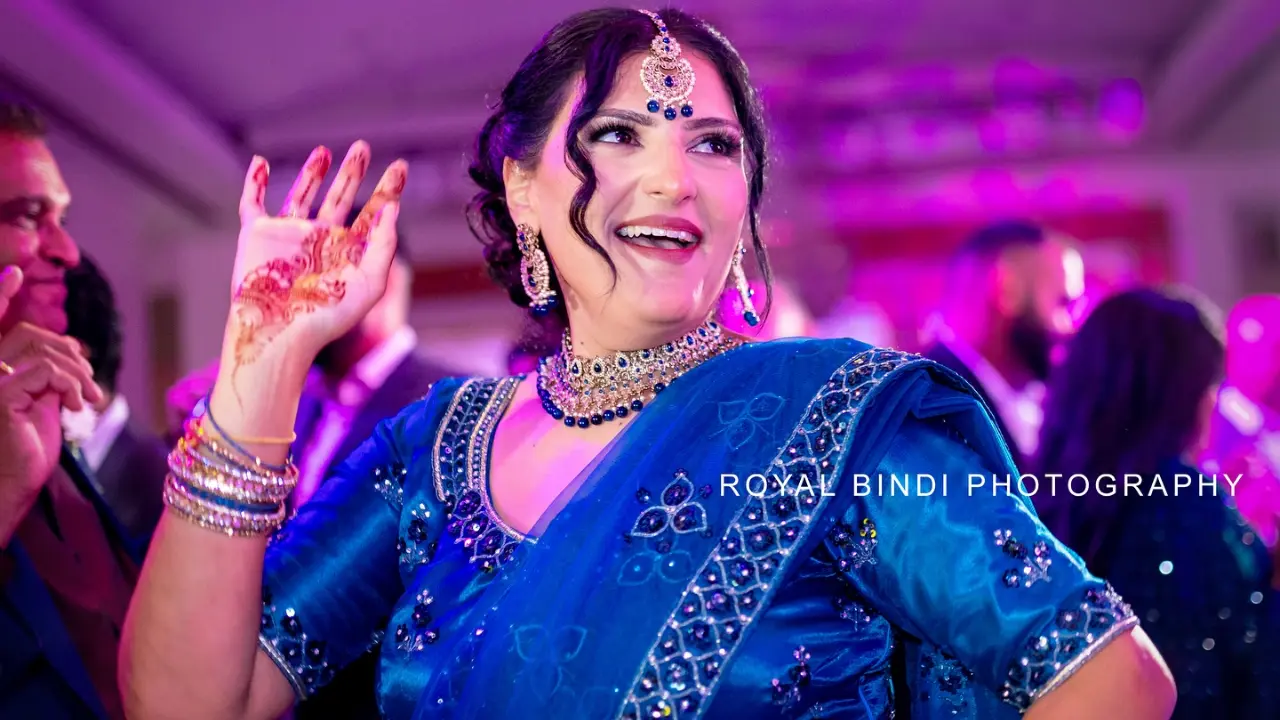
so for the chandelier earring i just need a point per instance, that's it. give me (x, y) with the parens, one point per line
(744, 288)
(535, 271)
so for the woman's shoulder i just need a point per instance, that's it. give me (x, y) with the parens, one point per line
(452, 395)
(843, 356)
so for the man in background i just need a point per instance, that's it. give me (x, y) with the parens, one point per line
(127, 463)
(1244, 433)
(1009, 292)
(66, 572)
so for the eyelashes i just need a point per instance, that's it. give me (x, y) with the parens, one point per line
(614, 132)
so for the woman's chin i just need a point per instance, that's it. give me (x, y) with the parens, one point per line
(671, 312)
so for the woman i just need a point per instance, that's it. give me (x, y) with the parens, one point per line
(589, 542)
(1134, 397)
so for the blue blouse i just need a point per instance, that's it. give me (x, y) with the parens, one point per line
(729, 555)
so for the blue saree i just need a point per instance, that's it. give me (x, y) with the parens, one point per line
(728, 555)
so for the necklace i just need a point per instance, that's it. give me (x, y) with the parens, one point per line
(586, 392)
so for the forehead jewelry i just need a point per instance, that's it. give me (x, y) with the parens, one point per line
(667, 77)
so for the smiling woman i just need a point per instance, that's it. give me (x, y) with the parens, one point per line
(555, 546)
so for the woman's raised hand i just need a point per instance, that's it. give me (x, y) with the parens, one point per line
(300, 283)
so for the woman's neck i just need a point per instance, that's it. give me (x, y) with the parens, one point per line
(591, 340)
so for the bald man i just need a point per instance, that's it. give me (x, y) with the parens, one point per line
(1009, 290)
(1244, 435)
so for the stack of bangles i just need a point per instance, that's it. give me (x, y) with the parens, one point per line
(214, 483)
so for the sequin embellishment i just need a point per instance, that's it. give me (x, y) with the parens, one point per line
(461, 472)
(676, 512)
(418, 633)
(303, 660)
(946, 677)
(683, 665)
(1035, 565)
(854, 549)
(1076, 635)
(389, 482)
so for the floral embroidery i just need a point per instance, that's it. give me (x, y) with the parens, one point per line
(1076, 634)
(677, 513)
(417, 634)
(787, 694)
(944, 675)
(1035, 565)
(547, 653)
(741, 419)
(416, 547)
(671, 567)
(389, 482)
(683, 665)
(303, 660)
(852, 609)
(855, 549)
(461, 472)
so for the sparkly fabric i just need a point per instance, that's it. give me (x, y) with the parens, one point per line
(1199, 579)
(718, 559)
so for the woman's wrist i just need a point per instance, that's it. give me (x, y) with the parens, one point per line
(255, 404)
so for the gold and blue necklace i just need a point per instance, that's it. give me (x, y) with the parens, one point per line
(586, 392)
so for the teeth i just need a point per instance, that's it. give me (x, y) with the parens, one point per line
(632, 231)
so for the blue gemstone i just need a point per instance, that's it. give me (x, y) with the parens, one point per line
(653, 106)
(608, 415)
(568, 421)
(659, 387)
(687, 111)
(670, 114)
(666, 40)
(668, 81)
(751, 319)
(662, 28)
(557, 413)
(583, 422)
(637, 405)
(596, 419)
(620, 411)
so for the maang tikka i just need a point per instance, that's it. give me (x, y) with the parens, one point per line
(535, 271)
(667, 77)
(744, 288)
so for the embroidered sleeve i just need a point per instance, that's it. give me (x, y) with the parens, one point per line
(331, 575)
(947, 550)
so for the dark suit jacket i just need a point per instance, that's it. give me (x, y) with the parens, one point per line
(41, 674)
(943, 356)
(132, 480)
(351, 694)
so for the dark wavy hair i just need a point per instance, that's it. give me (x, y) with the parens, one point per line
(94, 320)
(594, 43)
(1126, 399)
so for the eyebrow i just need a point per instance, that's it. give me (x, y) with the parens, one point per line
(647, 120)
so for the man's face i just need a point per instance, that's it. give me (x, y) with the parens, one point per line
(33, 207)
(1055, 280)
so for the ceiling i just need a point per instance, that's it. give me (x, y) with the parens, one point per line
(853, 86)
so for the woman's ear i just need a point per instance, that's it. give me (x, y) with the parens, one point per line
(521, 202)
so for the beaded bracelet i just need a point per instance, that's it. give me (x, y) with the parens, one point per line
(216, 488)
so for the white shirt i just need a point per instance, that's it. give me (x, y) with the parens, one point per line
(110, 423)
(339, 409)
(1021, 411)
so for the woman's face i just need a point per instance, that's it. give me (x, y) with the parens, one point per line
(668, 209)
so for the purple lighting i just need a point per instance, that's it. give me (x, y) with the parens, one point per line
(1121, 109)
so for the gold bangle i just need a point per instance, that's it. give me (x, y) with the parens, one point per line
(293, 437)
